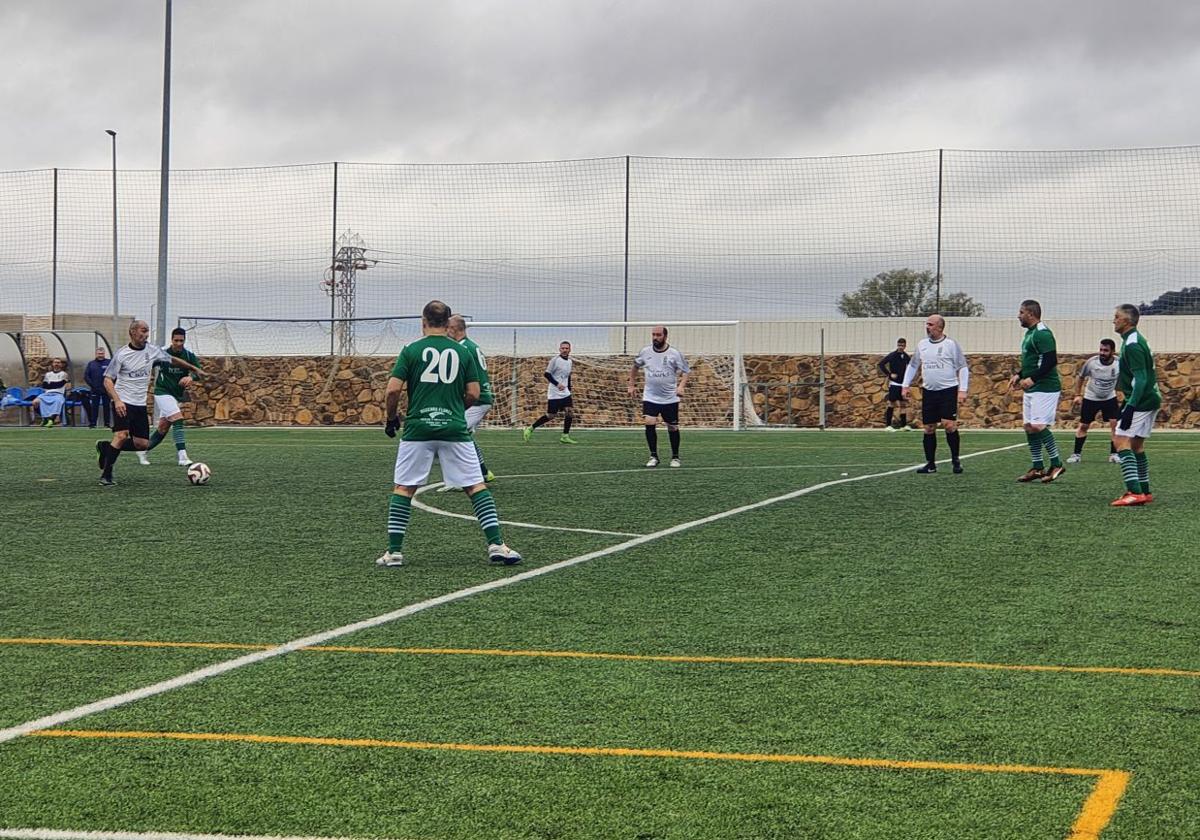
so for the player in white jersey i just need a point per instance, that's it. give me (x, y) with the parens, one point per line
(666, 380)
(558, 394)
(1100, 372)
(944, 381)
(127, 380)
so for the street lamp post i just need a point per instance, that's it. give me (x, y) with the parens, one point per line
(116, 310)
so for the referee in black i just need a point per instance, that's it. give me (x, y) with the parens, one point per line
(892, 367)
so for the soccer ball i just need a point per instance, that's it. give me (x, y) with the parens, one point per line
(199, 473)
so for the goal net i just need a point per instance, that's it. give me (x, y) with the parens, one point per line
(603, 354)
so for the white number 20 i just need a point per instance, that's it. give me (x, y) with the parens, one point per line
(439, 366)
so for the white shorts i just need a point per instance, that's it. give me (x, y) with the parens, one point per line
(460, 463)
(1039, 408)
(475, 415)
(165, 406)
(1143, 421)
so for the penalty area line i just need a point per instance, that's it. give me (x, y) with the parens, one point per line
(190, 678)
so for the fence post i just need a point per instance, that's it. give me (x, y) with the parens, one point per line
(625, 308)
(938, 276)
(54, 254)
(332, 261)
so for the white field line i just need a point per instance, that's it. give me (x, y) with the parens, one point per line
(507, 522)
(192, 677)
(57, 834)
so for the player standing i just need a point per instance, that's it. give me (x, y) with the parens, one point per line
(558, 394)
(1100, 372)
(1039, 379)
(892, 367)
(127, 379)
(666, 380)
(456, 329)
(1139, 383)
(944, 382)
(168, 392)
(442, 378)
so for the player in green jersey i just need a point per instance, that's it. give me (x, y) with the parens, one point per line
(442, 379)
(456, 328)
(169, 387)
(1039, 379)
(1138, 382)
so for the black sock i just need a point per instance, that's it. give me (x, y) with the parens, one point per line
(673, 434)
(887, 416)
(1079, 442)
(952, 439)
(111, 453)
(567, 424)
(652, 439)
(128, 446)
(929, 441)
(541, 421)
(903, 418)
(1112, 448)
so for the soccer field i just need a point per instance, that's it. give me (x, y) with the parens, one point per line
(793, 636)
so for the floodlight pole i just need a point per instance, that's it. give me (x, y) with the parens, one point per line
(116, 288)
(163, 185)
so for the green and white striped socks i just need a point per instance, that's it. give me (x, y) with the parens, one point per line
(488, 516)
(1034, 439)
(1143, 468)
(1129, 471)
(1051, 448)
(399, 511)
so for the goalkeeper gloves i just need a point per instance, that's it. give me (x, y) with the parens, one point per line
(1126, 417)
(393, 424)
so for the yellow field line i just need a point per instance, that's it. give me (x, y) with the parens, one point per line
(634, 657)
(1097, 810)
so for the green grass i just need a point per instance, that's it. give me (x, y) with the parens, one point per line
(967, 569)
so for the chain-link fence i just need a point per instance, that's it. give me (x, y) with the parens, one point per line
(615, 238)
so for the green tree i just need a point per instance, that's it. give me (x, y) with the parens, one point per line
(1186, 301)
(903, 292)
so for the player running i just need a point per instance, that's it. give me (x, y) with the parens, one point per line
(558, 394)
(127, 379)
(441, 378)
(169, 388)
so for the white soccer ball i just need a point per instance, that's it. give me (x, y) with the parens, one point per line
(199, 473)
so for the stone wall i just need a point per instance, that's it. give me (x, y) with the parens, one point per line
(323, 390)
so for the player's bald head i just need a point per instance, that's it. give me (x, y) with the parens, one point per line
(435, 313)
(137, 326)
(456, 327)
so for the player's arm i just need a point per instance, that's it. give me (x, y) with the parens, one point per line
(470, 379)
(1139, 368)
(633, 372)
(1049, 361)
(883, 366)
(110, 388)
(681, 386)
(963, 371)
(910, 373)
(187, 381)
(1080, 382)
(391, 405)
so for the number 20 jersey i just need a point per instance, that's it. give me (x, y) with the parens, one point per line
(436, 370)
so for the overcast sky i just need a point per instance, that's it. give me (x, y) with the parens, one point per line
(260, 82)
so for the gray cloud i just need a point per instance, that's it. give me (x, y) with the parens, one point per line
(260, 82)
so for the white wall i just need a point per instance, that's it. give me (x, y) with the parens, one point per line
(1166, 334)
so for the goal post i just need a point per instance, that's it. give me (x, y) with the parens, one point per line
(603, 351)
